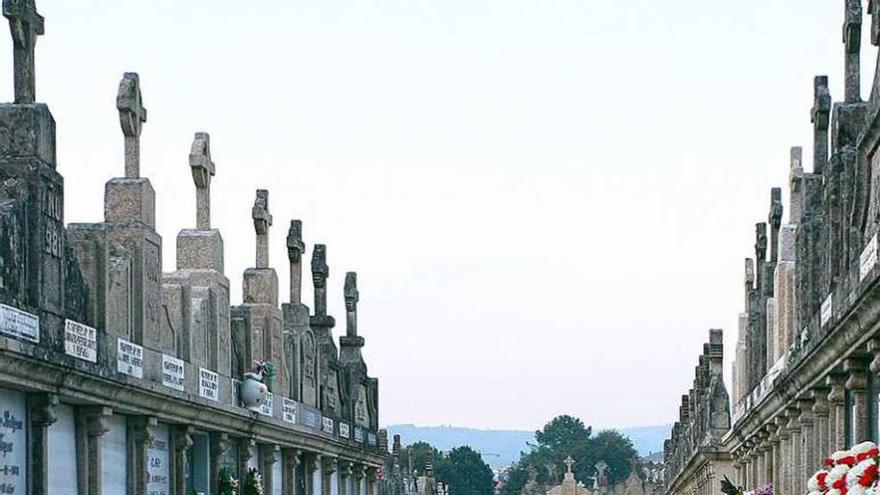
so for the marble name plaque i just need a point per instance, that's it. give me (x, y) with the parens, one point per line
(173, 372)
(158, 466)
(344, 430)
(80, 341)
(868, 259)
(268, 406)
(360, 436)
(310, 419)
(827, 309)
(327, 425)
(13, 443)
(209, 384)
(288, 410)
(129, 358)
(19, 324)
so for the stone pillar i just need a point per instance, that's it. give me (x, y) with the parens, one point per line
(139, 439)
(41, 412)
(330, 482)
(857, 384)
(808, 441)
(317, 476)
(246, 451)
(797, 453)
(182, 441)
(344, 477)
(219, 444)
(91, 424)
(773, 456)
(359, 473)
(760, 461)
(837, 414)
(270, 455)
(783, 464)
(290, 459)
(372, 476)
(821, 412)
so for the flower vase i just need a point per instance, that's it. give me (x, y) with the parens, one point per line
(253, 391)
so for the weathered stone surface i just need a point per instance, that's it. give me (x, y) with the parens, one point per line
(200, 250)
(130, 200)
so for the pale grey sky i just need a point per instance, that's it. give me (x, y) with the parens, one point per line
(548, 202)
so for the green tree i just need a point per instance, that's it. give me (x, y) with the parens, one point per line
(418, 454)
(617, 451)
(563, 432)
(464, 471)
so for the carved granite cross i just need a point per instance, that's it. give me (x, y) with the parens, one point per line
(295, 250)
(352, 296)
(874, 10)
(25, 24)
(132, 115)
(852, 39)
(202, 169)
(569, 462)
(820, 116)
(320, 272)
(262, 222)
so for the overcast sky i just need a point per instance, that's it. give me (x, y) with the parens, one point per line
(548, 202)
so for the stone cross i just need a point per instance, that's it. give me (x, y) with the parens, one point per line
(852, 39)
(760, 254)
(295, 250)
(795, 204)
(25, 24)
(202, 170)
(774, 218)
(320, 272)
(569, 462)
(820, 114)
(351, 300)
(132, 115)
(262, 222)
(874, 11)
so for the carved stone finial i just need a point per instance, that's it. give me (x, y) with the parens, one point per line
(760, 242)
(352, 296)
(320, 272)
(202, 170)
(132, 115)
(295, 250)
(262, 222)
(820, 115)
(852, 39)
(26, 25)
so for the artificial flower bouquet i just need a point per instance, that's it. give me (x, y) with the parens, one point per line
(848, 472)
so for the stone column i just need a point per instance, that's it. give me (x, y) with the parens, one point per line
(372, 476)
(317, 475)
(837, 414)
(796, 459)
(270, 455)
(139, 439)
(246, 450)
(330, 467)
(358, 472)
(857, 384)
(220, 443)
(344, 477)
(808, 441)
(41, 412)
(821, 411)
(91, 424)
(290, 459)
(182, 441)
(773, 456)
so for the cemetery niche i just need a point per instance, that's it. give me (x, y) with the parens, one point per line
(118, 378)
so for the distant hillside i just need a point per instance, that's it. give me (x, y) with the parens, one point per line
(501, 448)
